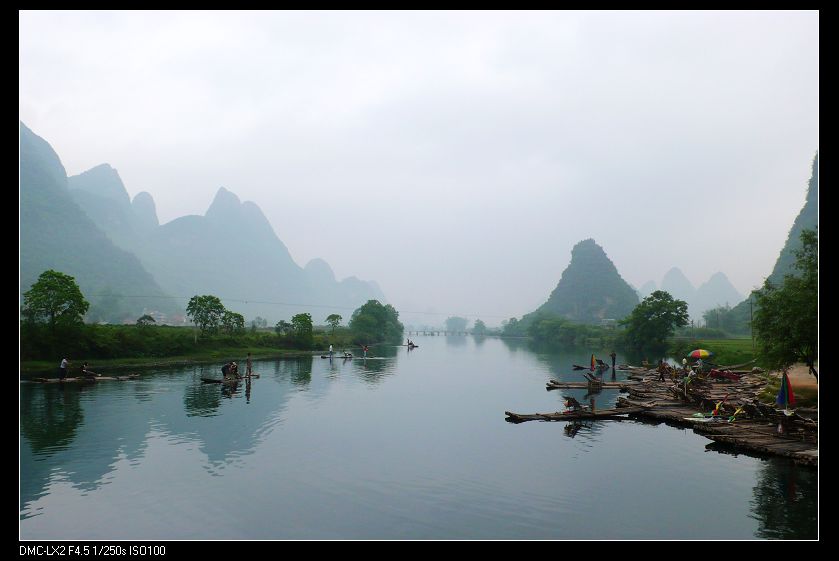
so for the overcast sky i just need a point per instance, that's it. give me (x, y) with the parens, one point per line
(455, 158)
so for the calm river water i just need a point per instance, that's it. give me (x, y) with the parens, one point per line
(409, 445)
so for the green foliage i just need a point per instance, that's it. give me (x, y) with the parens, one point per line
(206, 312)
(720, 318)
(231, 322)
(282, 327)
(511, 328)
(457, 324)
(126, 341)
(654, 320)
(737, 320)
(701, 333)
(376, 323)
(302, 326)
(786, 320)
(54, 299)
(145, 320)
(479, 328)
(334, 320)
(553, 330)
(259, 323)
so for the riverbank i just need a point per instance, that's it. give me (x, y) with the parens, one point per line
(38, 368)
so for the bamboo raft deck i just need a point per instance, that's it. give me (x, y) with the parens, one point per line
(82, 379)
(557, 385)
(572, 415)
(755, 428)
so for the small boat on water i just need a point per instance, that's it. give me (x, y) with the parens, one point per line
(208, 380)
(83, 379)
(231, 381)
(578, 367)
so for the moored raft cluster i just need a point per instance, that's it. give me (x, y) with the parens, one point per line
(726, 410)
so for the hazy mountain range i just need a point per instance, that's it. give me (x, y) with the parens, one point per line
(127, 263)
(716, 291)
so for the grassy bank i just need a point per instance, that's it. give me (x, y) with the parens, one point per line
(726, 351)
(31, 368)
(110, 347)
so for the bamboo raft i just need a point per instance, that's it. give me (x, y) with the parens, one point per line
(230, 381)
(82, 379)
(557, 385)
(755, 427)
(572, 415)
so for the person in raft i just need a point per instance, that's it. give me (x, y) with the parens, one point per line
(249, 365)
(62, 370)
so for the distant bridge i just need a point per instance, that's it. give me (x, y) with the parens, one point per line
(436, 332)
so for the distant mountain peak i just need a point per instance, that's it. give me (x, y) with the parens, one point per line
(590, 289)
(102, 180)
(225, 205)
(320, 269)
(677, 285)
(716, 291)
(647, 288)
(145, 210)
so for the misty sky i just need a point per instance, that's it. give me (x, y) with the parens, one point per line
(455, 158)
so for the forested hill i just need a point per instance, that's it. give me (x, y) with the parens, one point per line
(56, 234)
(590, 289)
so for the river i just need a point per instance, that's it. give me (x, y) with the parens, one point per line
(405, 445)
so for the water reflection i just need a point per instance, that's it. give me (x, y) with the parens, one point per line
(81, 433)
(201, 399)
(300, 371)
(456, 340)
(785, 501)
(348, 449)
(50, 415)
(571, 429)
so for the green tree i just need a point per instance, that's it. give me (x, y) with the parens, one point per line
(334, 320)
(456, 324)
(786, 321)
(654, 320)
(54, 299)
(719, 318)
(479, 328)
(206, 312)
(303, 329)
(282, 327)
(375, 322)
(145, 320)
(259, 323)
(511, 327)
(232, 322)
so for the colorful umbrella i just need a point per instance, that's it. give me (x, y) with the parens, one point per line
(785, 396)
(593, 363)
(700, 353)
